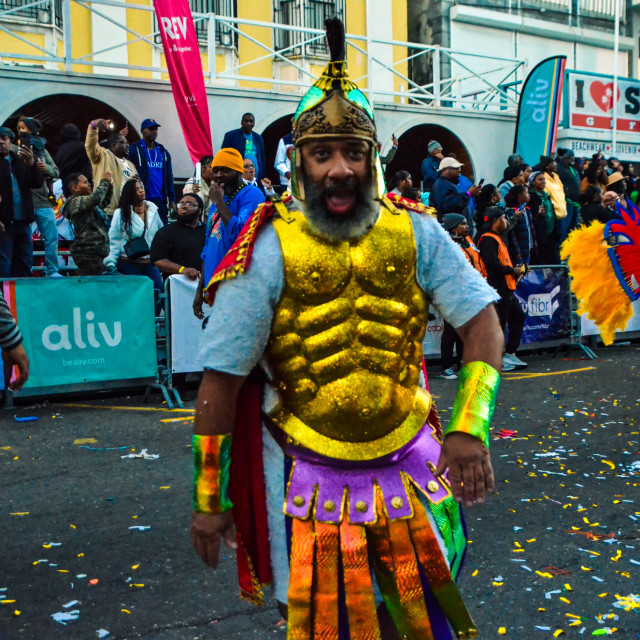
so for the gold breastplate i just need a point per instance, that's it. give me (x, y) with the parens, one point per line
(345, 349)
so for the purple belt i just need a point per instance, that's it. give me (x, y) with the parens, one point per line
(328, 478)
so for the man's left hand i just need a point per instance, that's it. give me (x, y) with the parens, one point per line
(16, 357)
(173, 206)
(41, 165)
(469, 464)
(24, 153)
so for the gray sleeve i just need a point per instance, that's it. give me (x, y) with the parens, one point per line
(240, 323)
(10, 336)
(454, 287)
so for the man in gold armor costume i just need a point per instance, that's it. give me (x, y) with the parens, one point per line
(327, 294)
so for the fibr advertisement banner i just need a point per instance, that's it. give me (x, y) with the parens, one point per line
(544, 296)
(88, 329)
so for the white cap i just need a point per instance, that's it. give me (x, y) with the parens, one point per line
(449, 163)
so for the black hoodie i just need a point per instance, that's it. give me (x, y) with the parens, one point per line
(72, 156)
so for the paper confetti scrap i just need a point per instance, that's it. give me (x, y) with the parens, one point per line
(144, 455)
(63, 617)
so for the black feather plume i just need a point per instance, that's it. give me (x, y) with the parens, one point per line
(335, 38)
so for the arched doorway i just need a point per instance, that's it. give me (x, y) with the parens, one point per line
(271, 136)
(412, 150)
(56, 110)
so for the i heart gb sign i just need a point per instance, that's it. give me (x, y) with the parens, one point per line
(591, 101)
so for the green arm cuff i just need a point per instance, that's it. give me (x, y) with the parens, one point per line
(212, 462)
(475, 401)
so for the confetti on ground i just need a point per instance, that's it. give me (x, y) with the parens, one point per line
(85, 441)
(144, 455)
(63, 617)
(25, 418)
(632, 601)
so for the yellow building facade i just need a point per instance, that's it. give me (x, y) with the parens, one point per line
(253, 42)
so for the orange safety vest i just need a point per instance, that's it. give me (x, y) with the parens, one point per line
(473, 255)
(503, 256)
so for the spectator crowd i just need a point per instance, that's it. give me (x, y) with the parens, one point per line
(116, 204)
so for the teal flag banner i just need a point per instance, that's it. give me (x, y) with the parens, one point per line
(539, 109)
(88, 329)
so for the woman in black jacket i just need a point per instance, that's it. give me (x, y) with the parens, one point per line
(592, 207)
(525, 247)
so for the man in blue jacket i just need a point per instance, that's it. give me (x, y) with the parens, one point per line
(445, 196)
(232, 203)
(430, 165)
(153, 162)
(248, 143)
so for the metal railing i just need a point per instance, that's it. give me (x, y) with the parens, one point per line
(455, 79)
(224, 37)
(567, 11)
(48, 12)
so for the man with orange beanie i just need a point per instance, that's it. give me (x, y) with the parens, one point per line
(232, 202)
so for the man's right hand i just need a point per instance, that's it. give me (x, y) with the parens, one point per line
(195, 188)
(216, 194)
(474, 191)
(207, 529)
(107, 175)
(191, 273)
(16, 357)
(198, 301)
(101, 124)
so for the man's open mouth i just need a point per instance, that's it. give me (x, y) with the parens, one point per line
(341, 202)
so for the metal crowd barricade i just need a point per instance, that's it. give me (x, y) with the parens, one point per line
(87, 343)
(572, 331)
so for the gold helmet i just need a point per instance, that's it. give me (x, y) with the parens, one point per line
(334, 108)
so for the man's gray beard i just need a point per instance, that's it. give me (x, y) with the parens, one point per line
(341, 227)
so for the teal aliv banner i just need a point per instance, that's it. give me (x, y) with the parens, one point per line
(79, 330)
(539, 109)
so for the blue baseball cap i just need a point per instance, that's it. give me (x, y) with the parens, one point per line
(148, 123)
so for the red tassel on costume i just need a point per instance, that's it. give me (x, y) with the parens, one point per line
(247, 492)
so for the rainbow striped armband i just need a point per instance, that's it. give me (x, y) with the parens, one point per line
(475, 401)
(211, 464)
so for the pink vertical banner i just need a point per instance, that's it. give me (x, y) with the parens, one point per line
(185, 72)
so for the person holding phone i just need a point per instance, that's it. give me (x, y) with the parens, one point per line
(18, 175)
(523, 245)
(503, 276)
(28, 131)
(112, 157)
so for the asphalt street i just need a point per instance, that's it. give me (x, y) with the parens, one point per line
(95, 542)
